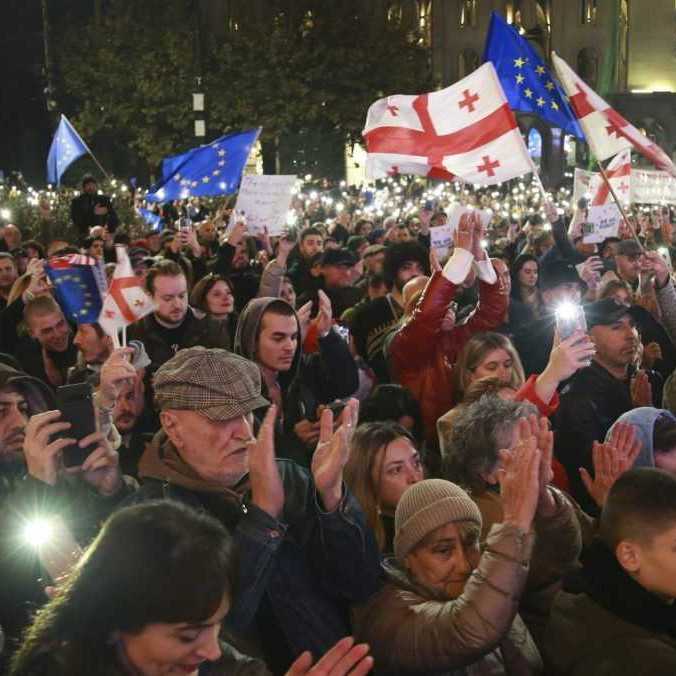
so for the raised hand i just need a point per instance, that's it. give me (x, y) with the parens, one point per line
(611, 460)
(344, 658)
(116, 371)
(101, 468)
(332, 453)
(43, 456)
(519, 479)
(267, 490)
(464, 235)
(324, 318)
(641, 390)
(304, 313)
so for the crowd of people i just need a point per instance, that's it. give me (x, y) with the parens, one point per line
(342, 450)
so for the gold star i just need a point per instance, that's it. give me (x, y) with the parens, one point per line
(540, 70)
(541, 102)
(205, 179)
(550, 86)
(519, 63)
(519, 79)
(555, 105)
(528, 93)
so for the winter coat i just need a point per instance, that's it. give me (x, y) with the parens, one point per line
(205, 332)
(614, 627)
(422, 356)
(589, 404)
(415, 630)
(298, 573)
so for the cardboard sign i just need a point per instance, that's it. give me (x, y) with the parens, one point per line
(605, 220)
(264, 201)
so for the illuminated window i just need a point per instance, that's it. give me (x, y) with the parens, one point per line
(535, 146)
(588, 11)
(570, 150)
(468, 12)
(425, 22)
(394, 13)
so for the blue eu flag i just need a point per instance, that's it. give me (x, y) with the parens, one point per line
(528, 83)
(150, 217)
(66, 147)
(213, 169)
(80, 284)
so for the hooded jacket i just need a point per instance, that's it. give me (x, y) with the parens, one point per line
(643, 420)
(312, 379)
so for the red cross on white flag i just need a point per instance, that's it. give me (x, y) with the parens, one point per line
(607, 132)
(126, 300)
(618, 173)
(466, 130)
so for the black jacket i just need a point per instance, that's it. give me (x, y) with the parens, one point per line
(589, 405)
(83, 216)
(245, 282)
(205, 332)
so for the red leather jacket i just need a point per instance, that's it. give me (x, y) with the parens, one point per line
(422, 355)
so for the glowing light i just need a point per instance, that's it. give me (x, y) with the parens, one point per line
(38, 532)
(5, 214)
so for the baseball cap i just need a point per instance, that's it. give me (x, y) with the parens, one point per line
(343, 257)
(629, 247)
(605, 312)
(558, 272)
(218, 384)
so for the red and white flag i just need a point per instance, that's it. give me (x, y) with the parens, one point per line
(126, 300)
(606, 130)
(467, 131)
(618, 173)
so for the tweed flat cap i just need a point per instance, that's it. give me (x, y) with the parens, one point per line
(216, 383)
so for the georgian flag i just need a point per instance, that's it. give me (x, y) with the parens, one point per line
(618, 173)
(467, 131)
(126, 300)
(607, 132)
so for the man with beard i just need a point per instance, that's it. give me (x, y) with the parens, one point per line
(373, 321)
(50, 352)
(8, 275)
(173, 325)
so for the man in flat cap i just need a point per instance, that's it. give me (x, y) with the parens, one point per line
(305, 552)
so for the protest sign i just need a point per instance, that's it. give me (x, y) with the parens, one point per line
(264, 201)
(602, 222)
(441, 238)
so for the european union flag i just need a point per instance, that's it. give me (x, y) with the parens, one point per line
(80, 284)
(66, 147)
(213, 169)
(528, 83)
(150, 217)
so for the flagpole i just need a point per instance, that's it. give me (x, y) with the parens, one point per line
(89, 150)
(618, 203)
(98, 164)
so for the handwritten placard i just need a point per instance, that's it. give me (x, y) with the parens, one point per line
(264, 201)
(603, 221)
(441, 238)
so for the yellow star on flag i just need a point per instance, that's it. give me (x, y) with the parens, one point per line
(541, 102)
(519, 63)
(555, 105)
(550, 86)
(540, 70)
(519, 79)
(528, 93)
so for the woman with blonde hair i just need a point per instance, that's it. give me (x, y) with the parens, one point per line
(383, 463)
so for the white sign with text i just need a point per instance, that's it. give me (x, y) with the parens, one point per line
(265, 201)
(605, 220)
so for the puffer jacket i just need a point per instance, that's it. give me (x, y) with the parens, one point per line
(422, 355)
(414, 630)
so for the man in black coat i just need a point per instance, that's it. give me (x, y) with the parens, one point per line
(89, 209)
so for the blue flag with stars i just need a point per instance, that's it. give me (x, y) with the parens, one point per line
(150, 217)
(213, 169)
(66, 147)
(80, 284)
(529, 85)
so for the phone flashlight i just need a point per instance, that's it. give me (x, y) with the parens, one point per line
(38, 532)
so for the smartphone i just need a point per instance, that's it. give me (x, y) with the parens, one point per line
(76, 403)
(570, 318)
(337, 407)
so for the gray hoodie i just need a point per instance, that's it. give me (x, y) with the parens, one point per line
(643, 420)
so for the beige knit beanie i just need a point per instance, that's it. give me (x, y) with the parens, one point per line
(426, 506)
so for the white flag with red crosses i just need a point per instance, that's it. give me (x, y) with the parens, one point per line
(607, 132)
(466, 131)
